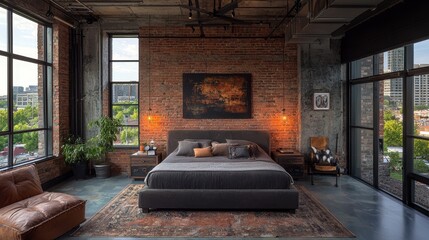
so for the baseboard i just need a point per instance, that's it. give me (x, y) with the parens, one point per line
(56, 180)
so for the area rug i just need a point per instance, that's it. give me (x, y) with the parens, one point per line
(121, 218)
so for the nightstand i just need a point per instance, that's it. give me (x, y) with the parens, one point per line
(293, 162)
(141, 164)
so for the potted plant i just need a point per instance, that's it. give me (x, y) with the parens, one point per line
(102, 143)
(75, 152)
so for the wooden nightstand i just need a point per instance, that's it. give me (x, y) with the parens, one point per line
(141, 164)
(293, 163)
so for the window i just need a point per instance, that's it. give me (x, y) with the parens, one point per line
(421, 54)
(124, 86)
(3, 29)
(25, 69)
(389, 125)
(362, 68)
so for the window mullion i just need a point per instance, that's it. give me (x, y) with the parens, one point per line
(10, 88)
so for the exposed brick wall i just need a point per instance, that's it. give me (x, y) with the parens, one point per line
(119, 160)
(171, 57)
(51, 169)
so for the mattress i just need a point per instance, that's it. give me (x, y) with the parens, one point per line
(218, 172)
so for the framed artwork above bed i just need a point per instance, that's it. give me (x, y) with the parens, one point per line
(220, 96)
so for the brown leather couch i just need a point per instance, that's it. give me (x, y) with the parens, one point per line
(26, 212)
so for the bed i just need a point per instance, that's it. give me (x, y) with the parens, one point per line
(183, 182)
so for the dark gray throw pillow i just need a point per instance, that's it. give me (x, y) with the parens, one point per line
(239, 151)
(186, 148)
(203, 142)
(253, 147)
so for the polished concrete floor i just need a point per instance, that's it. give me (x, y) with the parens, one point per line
(369, 214)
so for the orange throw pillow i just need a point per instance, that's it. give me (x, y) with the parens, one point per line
(203, 152)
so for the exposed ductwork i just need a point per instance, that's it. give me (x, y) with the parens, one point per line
(320, 18)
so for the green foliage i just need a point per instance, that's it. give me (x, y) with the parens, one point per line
(392, 134)
(395, 161)
(420, 166)
(421, 149)
(396, 175)
(31, 140)
(3, 104)
(3, 142)
(102, 143)
(26, 116)
(74, 150)
(130, 133)
(3, 120)
(421, 107)
(388, 115)
(122, 112)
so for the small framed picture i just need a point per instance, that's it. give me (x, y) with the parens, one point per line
(321, 101)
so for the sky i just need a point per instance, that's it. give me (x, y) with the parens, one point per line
(125, 49)
(25, 43)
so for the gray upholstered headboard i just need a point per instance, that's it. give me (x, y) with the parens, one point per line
(262, 138)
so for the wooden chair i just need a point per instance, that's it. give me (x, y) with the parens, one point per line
(318, 166)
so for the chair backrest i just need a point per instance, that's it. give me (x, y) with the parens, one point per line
(319, 142)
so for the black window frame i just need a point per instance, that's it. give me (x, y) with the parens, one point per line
(113, 83)
(47, 87)
(407, 75)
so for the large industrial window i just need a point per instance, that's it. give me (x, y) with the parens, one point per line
(124, 86)
(389, 125)
(25, 84)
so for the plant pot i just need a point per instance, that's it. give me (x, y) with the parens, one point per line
(102, 170)
(79, 170)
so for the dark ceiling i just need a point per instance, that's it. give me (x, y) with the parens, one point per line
(301, 20)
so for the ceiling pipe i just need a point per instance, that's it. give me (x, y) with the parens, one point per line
(296, 7)
(84, 5)
(64, 21)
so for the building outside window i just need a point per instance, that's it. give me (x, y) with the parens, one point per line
(124, 86)
(25, 77)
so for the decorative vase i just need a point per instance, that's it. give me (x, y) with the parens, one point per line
(102, 170)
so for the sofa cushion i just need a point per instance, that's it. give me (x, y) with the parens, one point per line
(19, 184)
(26, 216)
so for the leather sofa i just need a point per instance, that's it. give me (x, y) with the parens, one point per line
(27, 212)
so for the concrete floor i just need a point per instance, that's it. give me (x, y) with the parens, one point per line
(369, 214)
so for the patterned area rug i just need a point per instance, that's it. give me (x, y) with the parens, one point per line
(121, 218)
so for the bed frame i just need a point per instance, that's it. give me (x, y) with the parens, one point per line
(233, 199)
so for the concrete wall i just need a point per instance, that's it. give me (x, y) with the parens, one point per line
(320, 71)
(92, 77)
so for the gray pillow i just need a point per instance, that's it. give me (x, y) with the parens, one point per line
(253, 147)
(220, 149)
(238, 151)
(186, 148)
(203, 142)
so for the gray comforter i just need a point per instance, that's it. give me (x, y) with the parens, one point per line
(219, 172)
